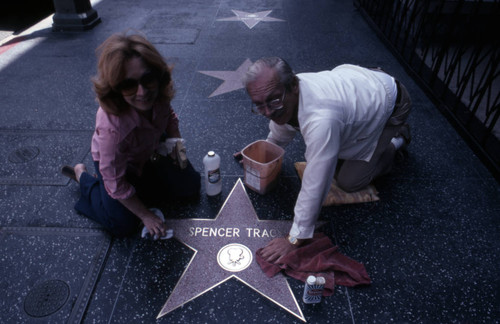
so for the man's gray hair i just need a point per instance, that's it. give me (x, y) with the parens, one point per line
(282, 68)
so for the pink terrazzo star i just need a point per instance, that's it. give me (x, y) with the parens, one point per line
(232, 79)
(251, 18)
(224, 248)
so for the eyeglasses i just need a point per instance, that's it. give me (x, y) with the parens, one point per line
(129, 87)
(275, 104)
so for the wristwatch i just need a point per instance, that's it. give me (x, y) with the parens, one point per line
(293, 240)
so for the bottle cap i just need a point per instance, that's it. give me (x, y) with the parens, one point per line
(320, 281)
(311, 280)
(211, 153)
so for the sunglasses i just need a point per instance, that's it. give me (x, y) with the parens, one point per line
(148, 80)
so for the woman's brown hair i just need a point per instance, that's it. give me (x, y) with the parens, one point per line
(113, 53)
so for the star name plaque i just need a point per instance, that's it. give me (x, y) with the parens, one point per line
(225, 248)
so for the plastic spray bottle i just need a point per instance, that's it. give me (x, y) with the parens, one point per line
(213, 180)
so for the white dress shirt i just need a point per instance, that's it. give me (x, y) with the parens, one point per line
(341, 115)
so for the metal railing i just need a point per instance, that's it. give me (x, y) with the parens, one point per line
(452, 50)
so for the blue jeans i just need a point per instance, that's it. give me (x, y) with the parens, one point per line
(160, 180)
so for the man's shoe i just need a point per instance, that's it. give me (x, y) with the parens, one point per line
(402, 152)
(405, 133)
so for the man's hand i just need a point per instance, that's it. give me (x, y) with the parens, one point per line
(238, 157)
(277, 248)
(155, 225)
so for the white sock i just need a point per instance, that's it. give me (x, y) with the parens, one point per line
(397, 142)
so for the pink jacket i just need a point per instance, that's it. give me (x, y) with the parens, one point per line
(124, 143)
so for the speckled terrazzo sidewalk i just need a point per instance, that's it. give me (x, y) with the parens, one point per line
(431, 244)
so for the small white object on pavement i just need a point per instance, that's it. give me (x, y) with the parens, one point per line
(168, 234)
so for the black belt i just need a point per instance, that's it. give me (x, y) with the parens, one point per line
(398, 89)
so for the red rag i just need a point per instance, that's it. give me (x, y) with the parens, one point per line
(319, 257)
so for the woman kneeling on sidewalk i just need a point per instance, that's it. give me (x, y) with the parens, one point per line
(134, 90)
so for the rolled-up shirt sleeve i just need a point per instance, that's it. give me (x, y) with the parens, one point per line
(322, 141)
(112, 164)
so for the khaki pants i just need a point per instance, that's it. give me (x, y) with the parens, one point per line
(355, 175)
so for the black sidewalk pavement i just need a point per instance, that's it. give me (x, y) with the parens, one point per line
(431, 244)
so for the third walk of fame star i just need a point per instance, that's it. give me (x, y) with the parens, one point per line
(224, 247)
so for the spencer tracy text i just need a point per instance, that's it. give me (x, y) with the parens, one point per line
(231, 232)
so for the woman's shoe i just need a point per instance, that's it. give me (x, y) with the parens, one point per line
(69, 171)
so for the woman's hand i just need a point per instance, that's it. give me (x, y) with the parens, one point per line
(154, 224)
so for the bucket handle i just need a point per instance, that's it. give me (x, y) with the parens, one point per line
(275, 167)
